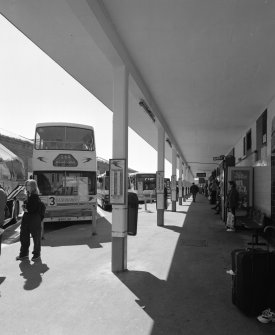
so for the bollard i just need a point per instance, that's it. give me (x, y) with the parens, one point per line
(132, 213)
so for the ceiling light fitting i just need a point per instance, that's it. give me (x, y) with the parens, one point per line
(147, 110)
(169, 142)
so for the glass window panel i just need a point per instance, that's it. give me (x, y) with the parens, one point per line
(66, 183)
(149, 181)
(107, 183)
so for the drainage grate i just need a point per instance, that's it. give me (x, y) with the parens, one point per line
(194, 243)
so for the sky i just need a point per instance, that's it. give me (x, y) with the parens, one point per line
(34, 89)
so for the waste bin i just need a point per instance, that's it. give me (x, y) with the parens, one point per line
(132, 213)
(1, 233)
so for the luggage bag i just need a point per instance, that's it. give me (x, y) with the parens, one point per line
(254, 272)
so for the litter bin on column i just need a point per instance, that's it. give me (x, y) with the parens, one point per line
(132, 213)
(1, 233)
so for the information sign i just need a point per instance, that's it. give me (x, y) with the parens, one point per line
(173, 182)
(218, 158)
(117, 181)
(243, 177)
(180, 187)
(160, 181)
(173, 187)
(140, 187)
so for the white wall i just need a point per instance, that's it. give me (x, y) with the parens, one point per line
(239, 150)
(262, 174)
(248, 160)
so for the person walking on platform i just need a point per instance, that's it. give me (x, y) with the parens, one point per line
(3, 203)
(165, 197)
(232, 201)
(194, 190)
(31, 222)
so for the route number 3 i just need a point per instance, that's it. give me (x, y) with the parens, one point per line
(52, 201)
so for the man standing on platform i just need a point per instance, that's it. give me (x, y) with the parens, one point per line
(194, 190)
(232, 201)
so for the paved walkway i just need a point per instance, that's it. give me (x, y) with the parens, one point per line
(176, 281)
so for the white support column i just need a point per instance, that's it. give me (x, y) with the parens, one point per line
(174, 178)
(188, 179)
(185, 182)
(160, 176)
(180, 181)
(120, 150)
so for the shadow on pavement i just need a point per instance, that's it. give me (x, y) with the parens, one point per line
(195, 298)
(2, 280)
(176, 229)
(79, 234)
(32, 273)
(155, 296)
(169, 210)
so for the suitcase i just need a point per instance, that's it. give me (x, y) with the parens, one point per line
(254, 275)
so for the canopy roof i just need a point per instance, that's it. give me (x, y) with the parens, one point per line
(204, 67)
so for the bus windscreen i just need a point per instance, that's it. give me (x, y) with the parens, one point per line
(149, 181)
(64, 138)
(66, 183)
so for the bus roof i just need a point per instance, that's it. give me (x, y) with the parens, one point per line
(67, 124)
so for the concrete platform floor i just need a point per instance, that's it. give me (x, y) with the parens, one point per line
(176, 281)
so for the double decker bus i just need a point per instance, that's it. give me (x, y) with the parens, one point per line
(64, 166)
(103, 190)
(143, 184)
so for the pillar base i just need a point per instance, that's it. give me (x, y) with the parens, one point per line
(174, 206)
(119, 254)
(160, 217)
